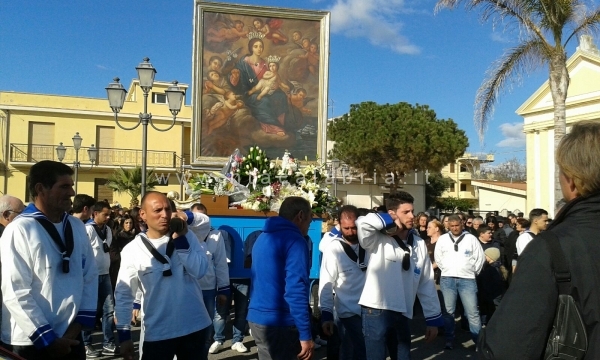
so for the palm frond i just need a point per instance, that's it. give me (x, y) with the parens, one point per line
(511, 67)
(589, 23)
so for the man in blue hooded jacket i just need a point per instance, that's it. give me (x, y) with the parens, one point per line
(278, 313)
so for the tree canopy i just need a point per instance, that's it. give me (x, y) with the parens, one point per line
(130, 181)
(395, 138)
(452, 204)
(435, 187)
(544, 28)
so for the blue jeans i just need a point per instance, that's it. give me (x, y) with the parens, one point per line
(352, 339)
(452, 287)
(209, 297)
(239, 290)
(375, 324)
(107, 306)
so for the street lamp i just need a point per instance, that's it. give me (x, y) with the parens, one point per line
(335, 164)
(116, 97)
(61, 150)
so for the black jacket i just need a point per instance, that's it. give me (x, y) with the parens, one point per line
(522, 322)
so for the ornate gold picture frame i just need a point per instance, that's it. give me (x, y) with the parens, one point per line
(260, 77)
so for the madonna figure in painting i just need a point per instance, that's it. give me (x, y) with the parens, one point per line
(269, 109)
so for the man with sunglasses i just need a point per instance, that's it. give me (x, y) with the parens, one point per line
(399, 270)
(10, 207)
(460, 257)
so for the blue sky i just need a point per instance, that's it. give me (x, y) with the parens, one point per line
(385, 51)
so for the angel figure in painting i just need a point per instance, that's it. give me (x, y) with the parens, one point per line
(298, 98)
(222, 111)
(215, 84)
(271, 30)
(270, 81)
(312, 57)
(225, 34)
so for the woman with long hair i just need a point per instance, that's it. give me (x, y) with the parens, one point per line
(435, 229)
(498, 234)
(422, 225)
(127, 232)
(138, 223)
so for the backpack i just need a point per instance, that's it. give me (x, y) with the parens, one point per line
(568, 337)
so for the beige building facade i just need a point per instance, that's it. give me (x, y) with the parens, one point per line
(583, 103)
(462, 172)
(33, 125)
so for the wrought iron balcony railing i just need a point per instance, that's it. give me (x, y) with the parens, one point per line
(30, 153)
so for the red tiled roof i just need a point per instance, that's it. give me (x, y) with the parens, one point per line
(513, 185)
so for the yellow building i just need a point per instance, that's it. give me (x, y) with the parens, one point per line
(33, 125)
(583, 103)
(462, 171)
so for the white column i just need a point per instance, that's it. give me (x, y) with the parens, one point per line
(536, 165)
(551, 167)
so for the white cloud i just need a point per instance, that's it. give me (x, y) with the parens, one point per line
(101, 67)
(375, 20)
(500, 37)
(513, 135)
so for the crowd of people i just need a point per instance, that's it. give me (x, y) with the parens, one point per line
(69, 266)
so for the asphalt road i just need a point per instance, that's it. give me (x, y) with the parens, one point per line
(463, 349)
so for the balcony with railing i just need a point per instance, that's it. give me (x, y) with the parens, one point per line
(31, 153)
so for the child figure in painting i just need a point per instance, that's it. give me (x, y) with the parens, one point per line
(298, 99)
(312, 57)
(215, 83)
(225, 34)
(222, 111)
(215, 63)
(271, 30)
(270, 80)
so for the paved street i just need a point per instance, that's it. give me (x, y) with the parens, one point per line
(463, 349)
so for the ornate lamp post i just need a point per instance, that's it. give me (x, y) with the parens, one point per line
(116, 98)
(92, 154)
(335, 164)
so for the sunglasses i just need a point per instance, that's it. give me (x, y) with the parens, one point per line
(469, 223)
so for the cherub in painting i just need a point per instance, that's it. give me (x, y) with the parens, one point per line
(225, 34)
(270, 80)
(222, 111)
(270, 29)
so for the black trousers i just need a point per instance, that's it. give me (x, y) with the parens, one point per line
(30, 352)
(187, 347)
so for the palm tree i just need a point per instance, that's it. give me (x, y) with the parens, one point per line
(130, 181)
(546, 27)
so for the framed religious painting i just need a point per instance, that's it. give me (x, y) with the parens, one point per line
(260, 78)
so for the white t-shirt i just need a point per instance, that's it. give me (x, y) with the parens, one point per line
(522, 241)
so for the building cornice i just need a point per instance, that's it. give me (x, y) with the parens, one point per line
(87, 112)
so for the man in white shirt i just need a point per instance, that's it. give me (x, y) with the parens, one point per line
(460, 257)
(49, 278)
(399, 270)
(100, 236)
(165, 264)
(539, 223)
(343, 274)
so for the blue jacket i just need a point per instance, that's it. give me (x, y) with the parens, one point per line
(279, 287)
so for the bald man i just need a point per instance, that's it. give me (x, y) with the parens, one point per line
(10, 207)
(165, 266)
